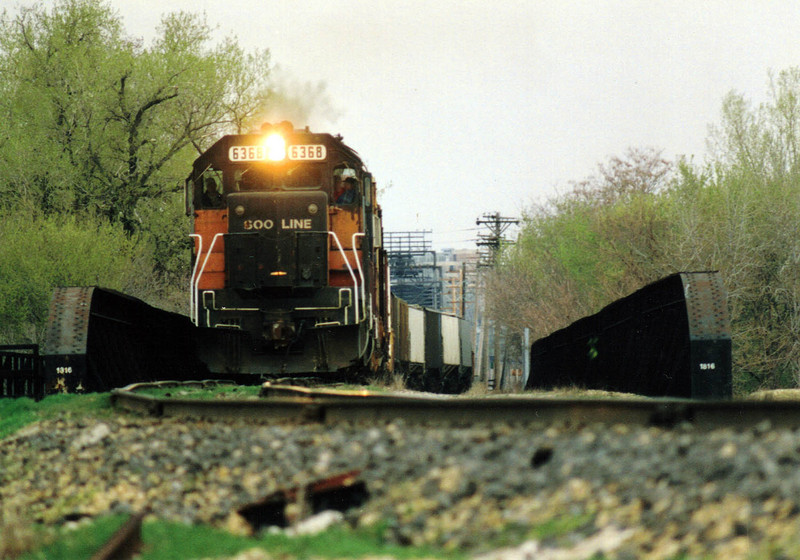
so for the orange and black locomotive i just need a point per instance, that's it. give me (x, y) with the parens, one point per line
(287, 254)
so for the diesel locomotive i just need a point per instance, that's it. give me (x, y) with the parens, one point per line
(288, 254)
(289, 279)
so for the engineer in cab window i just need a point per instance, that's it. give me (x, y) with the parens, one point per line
(345, 191)
(212, 198)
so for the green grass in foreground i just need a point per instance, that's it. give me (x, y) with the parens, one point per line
(175, 541)
(15, 414)
(82, 542)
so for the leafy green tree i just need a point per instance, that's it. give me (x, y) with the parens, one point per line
(749, 211)
(97, 121)
(41, 252)
(761, 142)
(579, 251)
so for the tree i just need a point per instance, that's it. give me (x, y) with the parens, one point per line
(751, 232)
(580, 251)
(641, 171)
(97, 121)
(39, 252)
(762, 141)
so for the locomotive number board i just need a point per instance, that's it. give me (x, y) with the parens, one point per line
(303, 152)
(313, 152)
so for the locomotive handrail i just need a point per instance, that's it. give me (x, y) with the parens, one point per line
(341, 305)
(192, 291)
(213, 295)
(202, 269)
(350, 269)
(360, 273)
(363, 351)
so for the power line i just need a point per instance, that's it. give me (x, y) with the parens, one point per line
(493, 240)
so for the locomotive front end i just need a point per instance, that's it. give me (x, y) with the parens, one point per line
(285, 258)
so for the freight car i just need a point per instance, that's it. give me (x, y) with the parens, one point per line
(433, 350)
(289, 278)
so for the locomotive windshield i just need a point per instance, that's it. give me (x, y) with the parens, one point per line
(262, 178)
(212, 186)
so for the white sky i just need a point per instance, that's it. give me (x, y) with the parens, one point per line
(468, 107)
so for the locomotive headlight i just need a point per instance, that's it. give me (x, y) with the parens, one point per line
(313, 209)
(239, 210)
(276, 147)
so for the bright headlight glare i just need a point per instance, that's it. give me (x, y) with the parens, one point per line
(276, 147)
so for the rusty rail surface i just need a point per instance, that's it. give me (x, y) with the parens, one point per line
(303, 404)
(124, 543)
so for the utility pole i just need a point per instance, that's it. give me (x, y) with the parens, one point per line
(492, 242)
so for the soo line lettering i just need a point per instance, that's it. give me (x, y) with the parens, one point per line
(286, 223)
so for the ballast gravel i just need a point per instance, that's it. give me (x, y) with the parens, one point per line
(499, 491)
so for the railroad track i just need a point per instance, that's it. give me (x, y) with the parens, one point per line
(326, 405)
(125, 543)
(690, 472)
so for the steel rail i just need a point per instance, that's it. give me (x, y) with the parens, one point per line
(330, 406)
(125, 543)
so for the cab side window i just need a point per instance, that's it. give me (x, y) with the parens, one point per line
(212, 196)
(345, 187)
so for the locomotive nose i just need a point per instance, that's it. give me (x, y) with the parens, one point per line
(277, 240)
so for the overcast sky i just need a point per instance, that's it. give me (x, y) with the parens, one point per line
(460, 108)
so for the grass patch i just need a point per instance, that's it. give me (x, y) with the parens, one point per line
(551, 531)
(175, 541)
(189, 391)
(478, 389)
(223, 391)
(560, 526)
(15, 414)
(385, 383)
(172, 541)
(775, 395)
(81, 542)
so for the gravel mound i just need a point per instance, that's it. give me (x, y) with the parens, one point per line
(500, 491)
